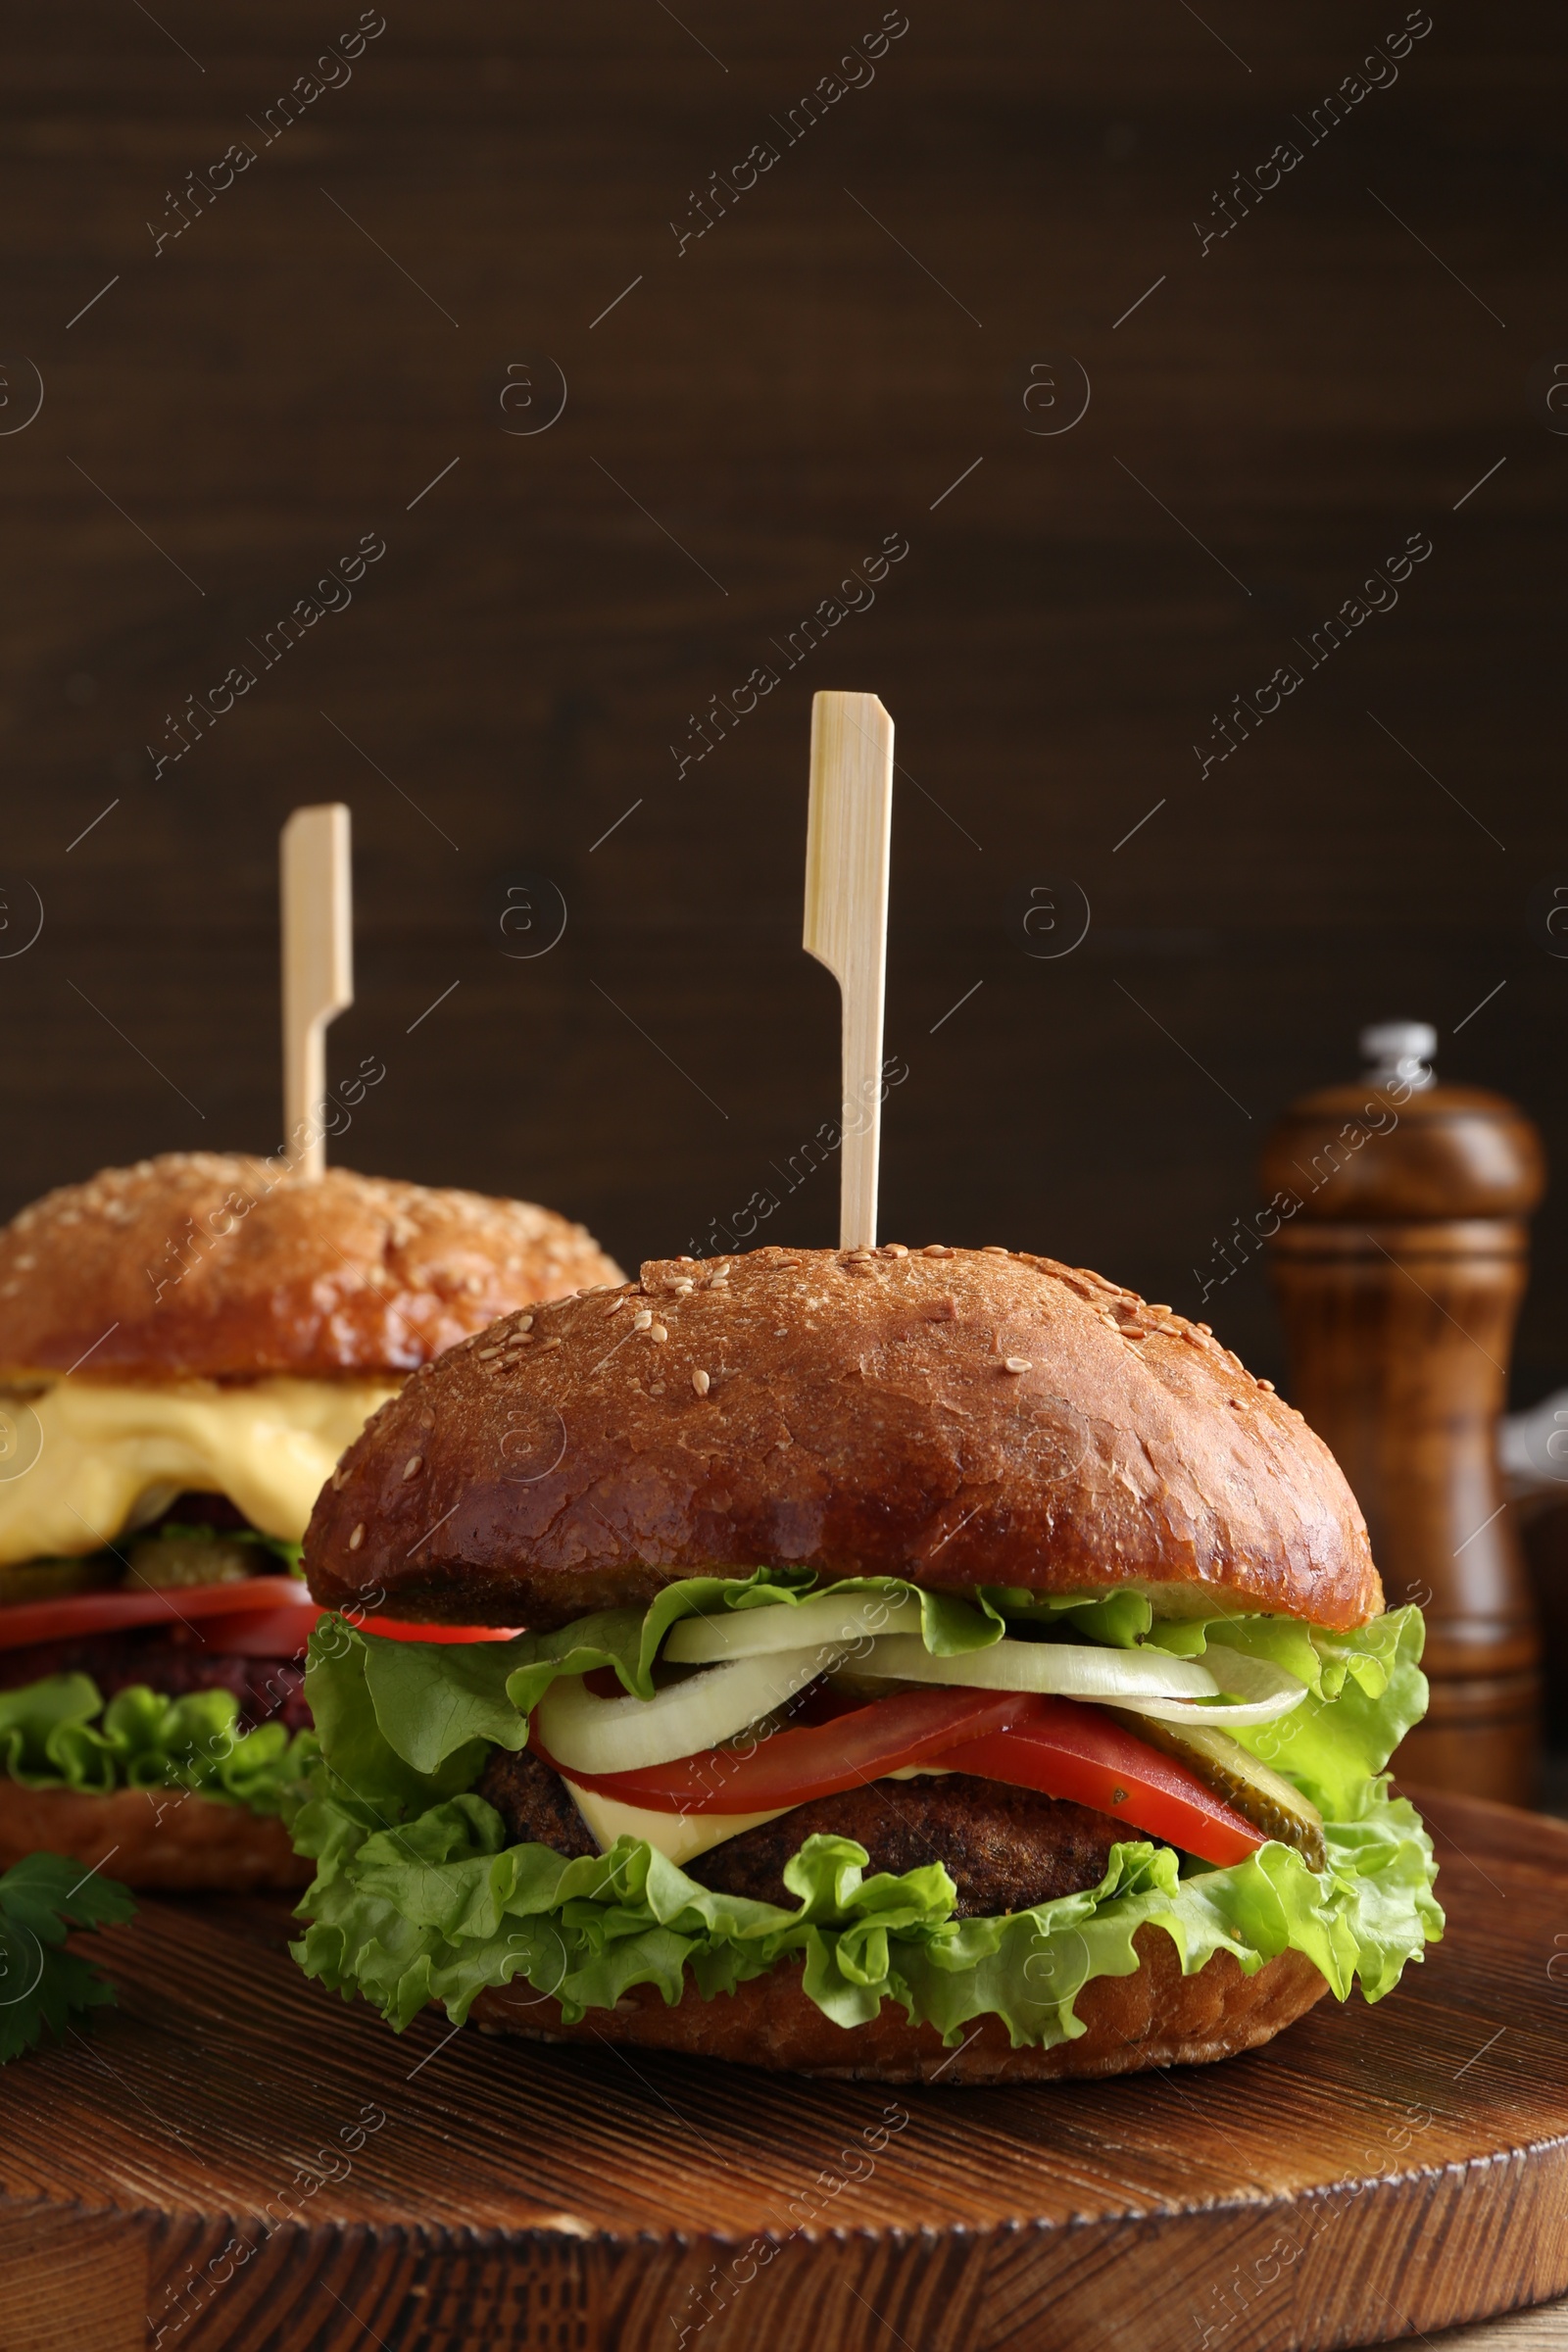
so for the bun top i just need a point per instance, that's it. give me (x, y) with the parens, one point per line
(214, 1265)
(957, 1416)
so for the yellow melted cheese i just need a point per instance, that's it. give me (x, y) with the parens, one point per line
(105, 1457)
(682, 1836)
(679, 1836)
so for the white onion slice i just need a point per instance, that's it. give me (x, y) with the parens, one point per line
(1242, 1676)
(592, 1735)
(1067, 1669)
(1223, 1714)
(1258, 1691)
(753, 1633)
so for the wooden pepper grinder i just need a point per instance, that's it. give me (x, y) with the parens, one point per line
(1398, 1264)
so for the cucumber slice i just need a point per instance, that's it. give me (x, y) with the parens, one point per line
(1261, 1796)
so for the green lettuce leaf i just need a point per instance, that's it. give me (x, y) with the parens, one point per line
(58, 1734)
(42, 1897)
(441, 1908)
(1370, 1692)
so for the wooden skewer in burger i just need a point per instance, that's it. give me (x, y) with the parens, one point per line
(186, 1346)
(941, 1664)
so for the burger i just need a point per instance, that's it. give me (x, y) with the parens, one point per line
(186, 1346)
(941, 1665)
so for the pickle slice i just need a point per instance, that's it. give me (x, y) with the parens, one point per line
(202, 1557)
(1261, 1796)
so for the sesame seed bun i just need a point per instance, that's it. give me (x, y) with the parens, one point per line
(212, 1265)
(955, 1416)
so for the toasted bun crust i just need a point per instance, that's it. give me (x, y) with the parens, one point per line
(159, 1841)
(208, 1263)
(1155, 2017)
(957, 1416)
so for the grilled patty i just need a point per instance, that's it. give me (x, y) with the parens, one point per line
(1004, 1849)
(268, 1690)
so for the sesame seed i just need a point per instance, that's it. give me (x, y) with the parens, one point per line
(614, 1308)
(681, 1287)
(1208, 1330)
(1267, 1386)
(413, 1465)
(717, 1281)
(339, 1479)
(358, 1537)
(701, 1382)
(656, 1388)
(1016, 1363)
(546, 1344)
(524, 1323)
(485, 1354)
(894, 1250)
(524, 1338)
(935, 1249)
(656, 1331)
(1159, 1310)
(995, 1249)
(642, 1319)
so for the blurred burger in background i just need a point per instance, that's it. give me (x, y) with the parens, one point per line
(186, 1346)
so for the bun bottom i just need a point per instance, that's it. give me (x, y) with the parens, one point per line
(159, 1841)
(1155, 2017)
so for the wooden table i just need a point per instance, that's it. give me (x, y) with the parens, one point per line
(237, 2159)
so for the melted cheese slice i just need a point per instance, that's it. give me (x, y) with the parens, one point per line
(682, 1836)
(679, 1836)
(114, 1457)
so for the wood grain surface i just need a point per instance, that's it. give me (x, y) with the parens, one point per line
(1284, 408)
(235, 2160)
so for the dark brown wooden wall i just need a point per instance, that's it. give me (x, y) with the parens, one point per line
(755, 418)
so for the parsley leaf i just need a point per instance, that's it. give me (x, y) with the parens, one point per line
(42, 1983)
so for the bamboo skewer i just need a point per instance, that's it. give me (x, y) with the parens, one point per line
(317, 910)
(847, 842)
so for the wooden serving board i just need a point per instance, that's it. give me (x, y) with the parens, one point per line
(234, 2158)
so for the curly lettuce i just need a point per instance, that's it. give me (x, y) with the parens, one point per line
(419, 1897)
(59, 1734)
(441, 1908)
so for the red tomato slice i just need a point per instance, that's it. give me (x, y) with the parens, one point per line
(404, 1629)
(268, 1634)
(1060, 1747)
(272, 1616)
(283, 1633)
(1068, 1749)
(26, 1622)
(819, 1759)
